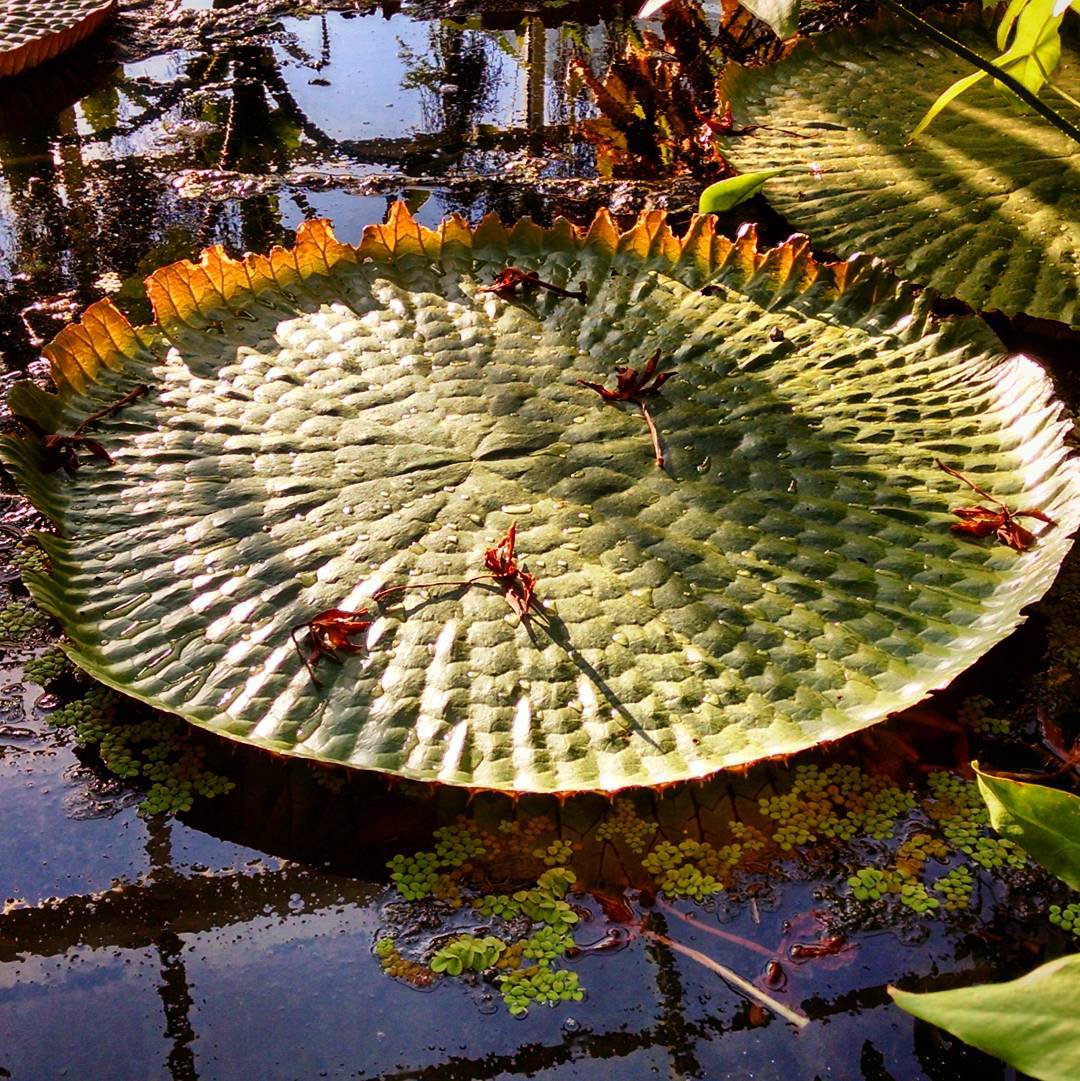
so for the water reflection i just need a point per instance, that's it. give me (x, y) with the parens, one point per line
(238, 942)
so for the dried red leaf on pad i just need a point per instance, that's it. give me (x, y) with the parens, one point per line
(502, 565)
(634, 386)
(330, 633)
(60, 451)
(997, 521)
(508, 281)
(520, 584)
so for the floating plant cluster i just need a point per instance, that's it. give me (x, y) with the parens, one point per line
(528, 932)
(155, 748)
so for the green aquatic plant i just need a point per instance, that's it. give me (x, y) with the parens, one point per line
(623, 822)
(838, 802)
(415, 877)
(547, 943)
(28, 557)
(154, 747)
(871, 884)
(46, 667)
(467, 953)
(788, 576)
(968, 209)
(539, 985)
(957, 888)
(1066, 917)
(454, 845)
(1032, 1023)
(19, 620)
(497, 904)
(556, 854)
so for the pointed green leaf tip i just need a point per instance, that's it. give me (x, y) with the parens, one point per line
(781, 15)
(1031, 1023)
(325, 422)
(727, 194)
(1044, 821)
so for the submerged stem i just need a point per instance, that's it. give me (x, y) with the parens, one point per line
(747, 988)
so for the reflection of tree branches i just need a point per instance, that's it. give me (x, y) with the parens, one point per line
(456, 77)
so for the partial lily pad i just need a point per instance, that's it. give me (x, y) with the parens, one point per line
(33, 31)
(326, 421)
(984, 205)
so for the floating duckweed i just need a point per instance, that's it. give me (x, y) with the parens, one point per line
(871, 884)
(956, 887)
(19, 620)
(557, 881)
(913, 855)
(691, 868)
(995, 853)
(28, 557)
(541, 907)
(497, 904)
(748, 838)
(519, 839)
(547, 944)
(511, 957)
(415, 877)
(399, 967)
(915, 896)
(467, 953)
(976, 713)
(455, 845)
(43, 669)
(624, 822)
(1067, 918)
(556, 854)
(835, 803)
(540, 985)
(447, 890)
(155, 748)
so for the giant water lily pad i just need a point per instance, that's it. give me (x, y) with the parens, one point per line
(33, 31)
(330, 420)
(984, 205)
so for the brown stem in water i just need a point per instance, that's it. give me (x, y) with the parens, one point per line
(747, 988)
(727, 935)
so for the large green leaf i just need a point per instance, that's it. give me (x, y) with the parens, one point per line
(326, 421)
(1032, 1023)
(33, 31)
(1045, 822)
(983, 206)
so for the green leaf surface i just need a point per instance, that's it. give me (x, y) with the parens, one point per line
(1031, 1023)
(1043, 821)
(983, 206)
(326, 421)
(33, 31)
(781, 15)
(727, 194)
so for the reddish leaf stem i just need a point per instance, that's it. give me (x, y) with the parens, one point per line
(109, 410)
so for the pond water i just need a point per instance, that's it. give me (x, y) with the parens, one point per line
(248, 936)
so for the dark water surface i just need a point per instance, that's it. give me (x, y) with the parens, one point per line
(237, 941)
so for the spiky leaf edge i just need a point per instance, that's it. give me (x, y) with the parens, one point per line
(90, 360)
